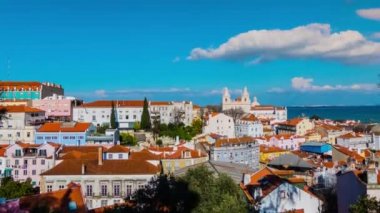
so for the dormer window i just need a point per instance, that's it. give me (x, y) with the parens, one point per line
(18, 153)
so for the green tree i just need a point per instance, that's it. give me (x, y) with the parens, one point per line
(145, 117)
(11, 189)
(197, 125)
(102, 129)
(365, 204)
(127, 139)
(136, 126)
(113, 117)
(217, 194)
(159, 142)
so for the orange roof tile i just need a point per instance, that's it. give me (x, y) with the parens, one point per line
(270, 149)
(249, 117)
(19, 109)
(161, 149)
(350, 135)
(64, 127)
(144, 155)
(80, 155)
(85, 149)
(160, 103)
(328, 164)
(109, 167)
(179, 154)
(27, 145)
(256, 177)
(230, 141)
(292, 122)
(348, 152)
(56, 200)
(118, 149)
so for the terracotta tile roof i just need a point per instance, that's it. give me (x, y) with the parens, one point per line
(118, 149)
(85, 149)
(256, 177)
(249, 117)
(80, 155)
(330, 127)
(27, 145)
(231, 141)
(109, 167)
(294, 211)
(57, 200)
(179, 154)
(350, 135)
(196, 107)
(117, 103)
(19, 109)
(292, 122)
(161, 149)
(144, 155)
(55, 145)
(328, 164)
(160, 103)
(270, 149)
(349, 153)
(2, 152)
(19, 85)
(64, 127)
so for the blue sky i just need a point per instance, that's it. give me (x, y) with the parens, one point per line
(130, 49)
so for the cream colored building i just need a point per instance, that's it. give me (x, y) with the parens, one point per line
(219, 123)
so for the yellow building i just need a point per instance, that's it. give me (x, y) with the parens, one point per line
(181, 158)
(268, 153)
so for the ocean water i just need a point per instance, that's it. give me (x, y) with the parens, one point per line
(366, 114)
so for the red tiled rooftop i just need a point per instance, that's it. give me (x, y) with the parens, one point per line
(63, 127)
(118, 149)
(231, 141)
(19, 109)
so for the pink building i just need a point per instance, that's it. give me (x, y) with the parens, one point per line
(56, 107)
(30, 160)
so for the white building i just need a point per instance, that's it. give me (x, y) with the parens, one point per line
(243, 102)
(354, 140)
(104, 181)
(269, 112)
(248, 125)
(20, 124)
(243, 150)
(129, 112)
(220, 124)
(171, 112)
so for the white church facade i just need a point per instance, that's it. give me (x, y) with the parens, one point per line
(243, 102)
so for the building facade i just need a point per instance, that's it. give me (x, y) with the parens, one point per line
(243, 150)
(297, 126)
(28, 90)
(68, 133)
(56, 107)
(219, 123)
(248, 125)
(20, 123)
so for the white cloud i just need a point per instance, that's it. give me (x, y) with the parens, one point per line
(276, 90)
(306, 84)
(176, 59)
(372, 13)
(310, 41)
(101, 93)
(376, 35)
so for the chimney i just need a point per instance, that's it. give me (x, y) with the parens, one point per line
(83, 169)
(199, 152)
(100, 156)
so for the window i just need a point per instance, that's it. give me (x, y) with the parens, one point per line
(34, 162)
(103, 203)
(120, 156)
(134, 117)
(25, 172)
(61, 186)
(116, 190)
(88, 190)
(25, 162)
(42, 162)
(116, 201)
(282, 194)
(49, 188)
(16, 162)
(129, 190)
(93, 118)
(72, 137)
(141, 186)
(127, 117)
(28, 134)
(33, 172)
(103, 191)
(16, 172)
(109, 156)
(18, 134)
(18, 153)
(42, 152)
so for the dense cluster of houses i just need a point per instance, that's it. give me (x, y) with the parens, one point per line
(280, 164)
